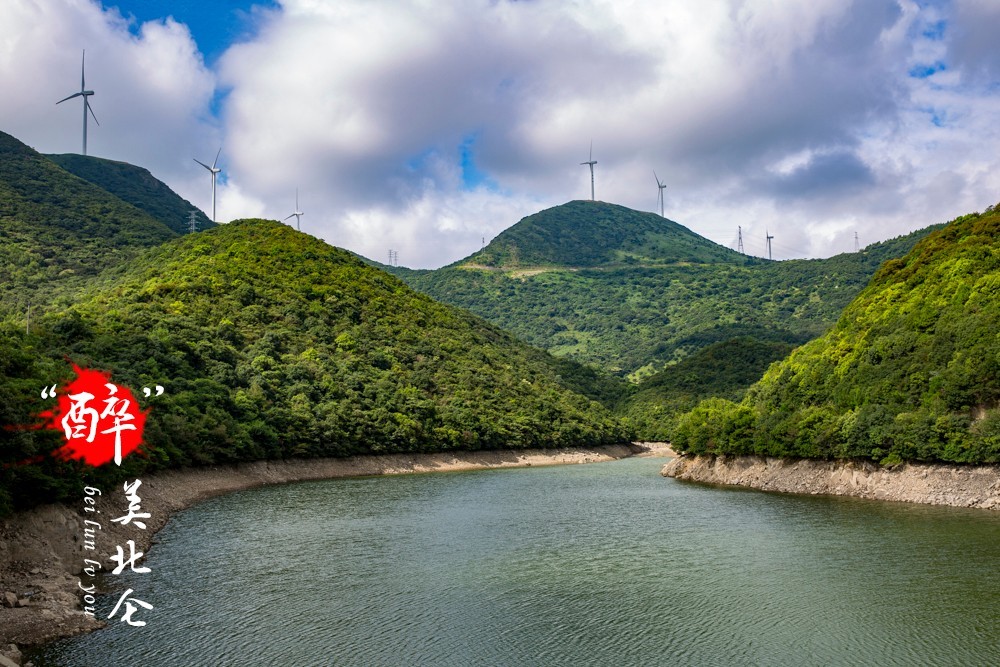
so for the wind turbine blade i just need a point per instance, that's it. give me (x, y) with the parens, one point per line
(591, 154)
(217, 157)
(69, 98)
(202, 164)
(656, 177)
(291, 216)
(85, 101)
(83, 71)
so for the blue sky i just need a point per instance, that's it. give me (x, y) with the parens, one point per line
(425, 126)
(214, 24)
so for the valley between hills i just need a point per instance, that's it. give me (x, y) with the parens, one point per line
(585, 324)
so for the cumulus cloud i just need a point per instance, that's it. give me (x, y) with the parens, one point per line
(152, 90)
(972, 39)
(425, 126)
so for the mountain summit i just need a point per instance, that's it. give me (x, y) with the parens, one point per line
(593, 234)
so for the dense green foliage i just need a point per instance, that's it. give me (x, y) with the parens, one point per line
(593, 233)
(136, 186)
(272, 344)
(56, 230)
(634, 320)
(723, 370)
(911, 371)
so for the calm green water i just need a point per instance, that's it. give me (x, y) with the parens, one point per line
(603, 564)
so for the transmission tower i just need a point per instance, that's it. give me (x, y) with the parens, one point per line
(857, 246)
(739, 242)
(393, 257)
(769, 237)
(193, 221)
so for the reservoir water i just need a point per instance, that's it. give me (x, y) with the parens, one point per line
(600, 564)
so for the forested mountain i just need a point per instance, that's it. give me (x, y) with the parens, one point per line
(911, 371)
(652, 292)
(57, 230)
(272, 344)
(136, 186)
(593, 233)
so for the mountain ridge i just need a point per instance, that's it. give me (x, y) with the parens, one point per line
(136, 186)
(631, 319)
(58, 229)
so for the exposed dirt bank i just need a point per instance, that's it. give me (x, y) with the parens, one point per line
(42, 551)
(656, 449)
(934, 484)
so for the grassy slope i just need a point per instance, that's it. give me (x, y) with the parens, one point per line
(910, 372)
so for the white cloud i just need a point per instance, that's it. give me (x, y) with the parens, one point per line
(152, 90)
(801, 117)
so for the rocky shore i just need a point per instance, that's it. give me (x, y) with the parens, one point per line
(935, 484)
(42, 551)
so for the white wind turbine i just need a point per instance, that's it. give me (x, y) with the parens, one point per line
(591, 161)
(215, 171)
(84, 93)
(660, 193)
(298, 214)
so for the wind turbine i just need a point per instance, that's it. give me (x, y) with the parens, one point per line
(215, 171)
(298, 214)
(660, 193)
(591, 161)
(84, 93)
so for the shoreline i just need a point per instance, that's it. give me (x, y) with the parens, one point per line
(42, 550)
(953, 485)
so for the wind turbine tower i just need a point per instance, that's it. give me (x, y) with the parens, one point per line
(84, 93)
(591, 161)
(215, 172)
(659, 194)
(769, 237)
(298, 214)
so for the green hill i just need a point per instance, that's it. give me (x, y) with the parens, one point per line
(57, 230)
(272, 344)
(136, 186)
(591, 233)
(911, 371)
(633, 319)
